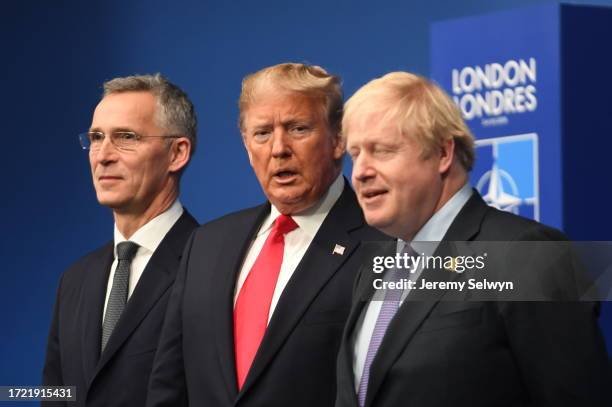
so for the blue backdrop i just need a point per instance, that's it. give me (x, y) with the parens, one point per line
(57, 55)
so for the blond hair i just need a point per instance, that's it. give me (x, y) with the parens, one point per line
(309, 80)
(420, 108)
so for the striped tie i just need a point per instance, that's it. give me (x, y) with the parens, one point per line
(388, 310)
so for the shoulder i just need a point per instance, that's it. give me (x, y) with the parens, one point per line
(538, 259)
(479, 221)
(233, 219)
(77, 271)
(187, 220)
(501, 225)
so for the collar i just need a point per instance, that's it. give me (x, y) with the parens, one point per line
(311, 219)
(437, 226)
(150, 235)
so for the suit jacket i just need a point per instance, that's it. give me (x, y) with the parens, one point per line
(119, 376)
(295, 364)
(477, 353)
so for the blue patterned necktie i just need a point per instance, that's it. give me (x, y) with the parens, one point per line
(119, 291)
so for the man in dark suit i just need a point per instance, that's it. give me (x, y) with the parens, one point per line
(111, 303)
(411, 155)
(261, 298)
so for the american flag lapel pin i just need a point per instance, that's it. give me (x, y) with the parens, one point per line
(338, 249)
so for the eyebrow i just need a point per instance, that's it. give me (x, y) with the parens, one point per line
(113, 130)
(293, 122)
(285, 123)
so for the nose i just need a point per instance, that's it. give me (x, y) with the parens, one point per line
(362, 169)
(106, 153)
(281, 144)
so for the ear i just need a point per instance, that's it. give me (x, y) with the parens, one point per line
(180, 151)
(248, 150)
(339, 146)
(447, 154)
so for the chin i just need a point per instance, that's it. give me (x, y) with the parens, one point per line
(380, 222)
(109, 201)
(104, 200)
(373, 220)
(289, 195)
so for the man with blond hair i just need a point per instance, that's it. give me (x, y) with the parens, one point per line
(411, 155)
(257, 313)
(111, 303)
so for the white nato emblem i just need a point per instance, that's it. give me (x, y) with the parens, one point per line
(507, 177)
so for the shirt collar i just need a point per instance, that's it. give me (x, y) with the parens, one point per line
(311, 219)
(437, 226)
(150, 235)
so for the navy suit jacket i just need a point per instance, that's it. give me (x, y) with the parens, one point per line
(442, 353)
(119, 376)
(295, 364)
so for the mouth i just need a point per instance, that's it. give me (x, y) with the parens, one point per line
(285, 176)
(372, 195)
(108, 178)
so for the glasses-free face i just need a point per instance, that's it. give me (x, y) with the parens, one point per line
(291, 148)
(123, 140)
(397, 188)
(130, 172)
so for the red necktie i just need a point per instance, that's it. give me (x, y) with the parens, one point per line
(253, 303)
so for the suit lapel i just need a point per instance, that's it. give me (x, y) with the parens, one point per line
(92, 307)
(156, 278)
(364, 290)
(467, 223)
(346, 347)
(230, 258)
(418, 305)
(404, 325)
(316, 268)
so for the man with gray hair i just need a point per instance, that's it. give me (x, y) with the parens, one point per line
(111, 303)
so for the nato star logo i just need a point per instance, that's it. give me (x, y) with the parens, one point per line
(506, 173)
(495, 195)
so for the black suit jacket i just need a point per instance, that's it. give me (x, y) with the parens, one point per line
(470, 353)
(295, 364)
(119, 376)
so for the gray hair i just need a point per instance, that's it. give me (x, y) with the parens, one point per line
(175, 111)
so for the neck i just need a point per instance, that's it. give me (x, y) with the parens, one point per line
(453, 181)
(128, 222)
(450, 188)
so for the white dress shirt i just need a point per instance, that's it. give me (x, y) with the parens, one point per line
(148, 237)
(433, 231)
(296, 241)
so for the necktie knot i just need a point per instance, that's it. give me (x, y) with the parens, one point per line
(284, 224)
(408, 249)
(126, 250)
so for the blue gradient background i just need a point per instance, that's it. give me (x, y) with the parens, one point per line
(57, 55)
